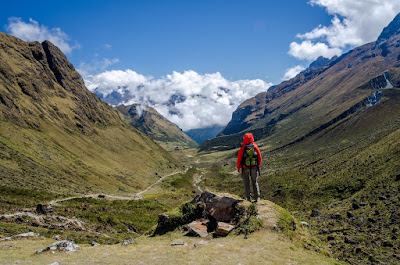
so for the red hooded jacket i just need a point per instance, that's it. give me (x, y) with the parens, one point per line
(247, 139)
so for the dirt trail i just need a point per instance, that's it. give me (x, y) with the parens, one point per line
(136, 196)
(64, 220)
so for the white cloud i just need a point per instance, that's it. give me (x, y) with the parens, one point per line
(355, 22)
(188, 99)
(307, 50)
(32, 31)
(292, 72)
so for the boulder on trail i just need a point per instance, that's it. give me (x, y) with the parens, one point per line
(44, 208)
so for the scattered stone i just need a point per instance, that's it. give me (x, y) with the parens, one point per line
(335, 216)
(128, 241)
(275, 227)
(394, 237)
(95, 244)
(174, 244)
(101, 196)
(6, 246)
(198, 228)
(63, 245)
(387, 244)
(304, 224)
(55, 263)
(315, 213)
(362, 204)
(223, 229)
(398, 177)
(23, 235)
(44, 208)
(382, 198)
(361, 220)
(355, 206)
(57, 237)
(330, 238)
(349, 240)
(349, 214)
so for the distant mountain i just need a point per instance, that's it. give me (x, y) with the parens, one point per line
(56, 135)
(147, 120)
(202, 134)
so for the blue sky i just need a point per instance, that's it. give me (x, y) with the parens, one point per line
(188, 49)
(240, 39)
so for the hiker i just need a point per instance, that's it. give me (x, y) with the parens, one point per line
(249, 160)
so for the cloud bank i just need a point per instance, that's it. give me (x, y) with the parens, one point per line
(189, 99)
(355, 22)
(32, 31)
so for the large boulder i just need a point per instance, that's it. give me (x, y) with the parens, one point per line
(44, 208)
(221, 208)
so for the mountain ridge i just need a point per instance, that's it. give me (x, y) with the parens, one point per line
(56, 135)
(147, 120)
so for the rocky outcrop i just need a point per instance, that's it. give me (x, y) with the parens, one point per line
(206, 213)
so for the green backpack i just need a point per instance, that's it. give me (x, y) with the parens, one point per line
(249, 156)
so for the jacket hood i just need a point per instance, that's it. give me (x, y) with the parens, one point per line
(248, 138)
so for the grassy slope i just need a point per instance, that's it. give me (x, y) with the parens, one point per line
(57, 136)
(356, 160)
(156, 126)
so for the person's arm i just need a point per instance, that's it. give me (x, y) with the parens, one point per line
(239, 159)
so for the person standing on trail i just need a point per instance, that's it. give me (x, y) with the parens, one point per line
(249, 160)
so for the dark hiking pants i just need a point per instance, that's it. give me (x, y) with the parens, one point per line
(247, 174)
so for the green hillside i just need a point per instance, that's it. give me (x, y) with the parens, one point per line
(57, 136)
(150, 122)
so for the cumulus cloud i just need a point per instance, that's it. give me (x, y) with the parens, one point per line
(33, 31)
(354, 22)
(292, 72)
(189, 99)
(311, 51)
